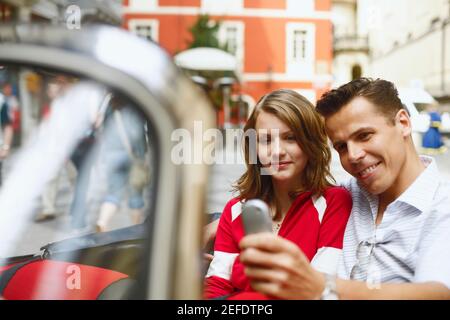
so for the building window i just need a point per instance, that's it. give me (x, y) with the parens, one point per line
(300, 48)
(144, 32)
(147, 29)
(231, 34)
(299, 45)
(231, 39)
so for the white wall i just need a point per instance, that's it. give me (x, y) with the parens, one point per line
(343, 18)
(346, 23)
(342, 67)
(417, 54)
(222, 7)
(294, 9)
(305, 6)
(420, 59)
(143, 5)
(389, 21)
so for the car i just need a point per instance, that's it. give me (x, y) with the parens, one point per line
(157, 258)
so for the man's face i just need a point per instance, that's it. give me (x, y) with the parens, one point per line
(7, 90)
(371, 147)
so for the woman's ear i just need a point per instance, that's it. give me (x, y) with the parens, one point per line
(403, 120)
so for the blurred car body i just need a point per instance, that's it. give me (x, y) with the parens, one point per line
(162, 256)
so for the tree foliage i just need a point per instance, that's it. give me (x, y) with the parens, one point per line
(204, 33)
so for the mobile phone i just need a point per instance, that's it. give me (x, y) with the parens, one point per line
(256, 217)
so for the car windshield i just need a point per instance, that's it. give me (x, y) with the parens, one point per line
(80, 160)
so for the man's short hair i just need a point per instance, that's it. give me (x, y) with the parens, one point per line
(380, 93)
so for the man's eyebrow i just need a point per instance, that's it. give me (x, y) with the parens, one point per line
(355, 133)
(361, 130)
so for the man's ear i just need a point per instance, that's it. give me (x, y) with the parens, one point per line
(404, 122)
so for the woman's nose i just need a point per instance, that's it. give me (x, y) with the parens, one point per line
(278, 150)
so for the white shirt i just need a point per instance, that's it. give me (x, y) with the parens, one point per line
(412, 242)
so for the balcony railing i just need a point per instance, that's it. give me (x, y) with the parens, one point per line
(351, 43)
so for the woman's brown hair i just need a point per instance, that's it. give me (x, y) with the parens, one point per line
(309, 130)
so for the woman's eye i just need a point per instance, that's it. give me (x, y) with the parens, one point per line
(291, 138)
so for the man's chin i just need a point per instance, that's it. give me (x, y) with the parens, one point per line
(373, 188)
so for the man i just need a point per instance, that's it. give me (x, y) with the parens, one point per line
(56, 86)
(6, 128)
(395, 243)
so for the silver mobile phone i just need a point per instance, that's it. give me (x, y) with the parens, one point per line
(256, 217)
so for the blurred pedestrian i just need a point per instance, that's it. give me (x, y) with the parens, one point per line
(13, 106)
(56, 86)
(432, 142)
(78, 166)
(6, 126)
(124, 148)
(83, 158)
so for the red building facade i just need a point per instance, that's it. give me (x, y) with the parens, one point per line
(278, 43)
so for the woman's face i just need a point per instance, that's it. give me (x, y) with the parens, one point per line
(278, 151)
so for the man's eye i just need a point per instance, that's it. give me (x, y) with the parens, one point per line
(365, 135)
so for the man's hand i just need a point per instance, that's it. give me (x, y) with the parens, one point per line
(277, 267)
(4, 153)
(207, 257)
(8, 134)
(210, 232)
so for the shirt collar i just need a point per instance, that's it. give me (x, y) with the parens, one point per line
(421, 192)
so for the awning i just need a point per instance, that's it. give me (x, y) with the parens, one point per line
(206, 59)
(411, 95)
(415, 95)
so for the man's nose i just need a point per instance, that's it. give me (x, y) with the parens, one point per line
(355, 152)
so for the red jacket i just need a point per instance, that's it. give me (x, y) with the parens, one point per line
(316, 225)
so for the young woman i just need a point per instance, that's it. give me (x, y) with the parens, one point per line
(288, 168)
